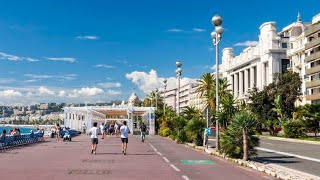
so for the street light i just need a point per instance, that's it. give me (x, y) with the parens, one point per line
(164, 96)
(216, 37)
(157, 98)
(178, 73)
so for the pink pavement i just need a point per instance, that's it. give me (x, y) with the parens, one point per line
(58, 160)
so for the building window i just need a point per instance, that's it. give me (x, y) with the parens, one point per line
(291, 45)
(284, 45)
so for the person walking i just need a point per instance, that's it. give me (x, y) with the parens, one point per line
(102, 130)
(58, 132)
(116, 130)
(84, 128)
(143, 129)
(125, 131)
(94, 131)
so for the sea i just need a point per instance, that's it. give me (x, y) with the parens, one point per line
(22, 129)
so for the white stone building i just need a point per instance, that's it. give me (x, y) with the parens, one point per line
(256, 66)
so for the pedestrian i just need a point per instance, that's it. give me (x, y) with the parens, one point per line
(116, 130)
(143, 129)
(94, 131)
(84, 128)
(125, 131)
(102, 130)
(58, 132)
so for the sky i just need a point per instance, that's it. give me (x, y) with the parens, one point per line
(98, 51)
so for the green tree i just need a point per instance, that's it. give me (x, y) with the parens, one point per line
(310, 115)
(228, 110)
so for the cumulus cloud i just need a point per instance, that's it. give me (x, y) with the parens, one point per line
(247, 43)
(109, 84)
(86, 91)
(66, 59)
(10, 93)
(175, 30)
(10, 57)
(103, 66)
(62, 93)
(88, 37)
(148, 82)
(43, 90)
(198, 30)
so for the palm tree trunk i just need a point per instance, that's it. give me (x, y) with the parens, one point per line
(245, 145)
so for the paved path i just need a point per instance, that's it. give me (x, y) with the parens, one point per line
(299, 156)
(60, 160)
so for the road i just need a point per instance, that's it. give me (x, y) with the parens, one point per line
(299, 156)
(157, 159)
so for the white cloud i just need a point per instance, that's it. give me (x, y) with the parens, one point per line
(109, 84)
(10, 93)
(46, 76)
(247, 43)
(198, 30)
(113, 92)
(213, 68)
(62, 93)
(66, 59)
(86, 91)
(43, 90)
(5, 81)
(103, 66)
(88, 37)
(10, 57)
(148, 82)
(175, 30)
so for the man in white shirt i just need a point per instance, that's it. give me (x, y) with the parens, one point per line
(94, 131)
(124, 136)
(102, 130)
(116, 129)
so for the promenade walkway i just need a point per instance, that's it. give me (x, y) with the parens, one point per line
(157, 158)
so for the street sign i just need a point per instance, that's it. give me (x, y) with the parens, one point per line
(208, 131)
(191, 162)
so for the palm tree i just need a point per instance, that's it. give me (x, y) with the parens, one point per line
(246, 121)
(206, 90)
(190, 112)
(228, 109)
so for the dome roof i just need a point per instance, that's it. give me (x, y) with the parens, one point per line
(133, 98)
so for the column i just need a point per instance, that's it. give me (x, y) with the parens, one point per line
(231, 83)
(236, 85)
(246, 81)
(263, 75)
(241, 84)
(252, 78)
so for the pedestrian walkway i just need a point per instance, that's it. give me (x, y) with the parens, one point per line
(58, 160)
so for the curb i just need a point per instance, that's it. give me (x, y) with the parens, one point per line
(270, 169)
(290, 140)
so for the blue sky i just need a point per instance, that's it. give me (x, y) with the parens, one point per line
(77, 50)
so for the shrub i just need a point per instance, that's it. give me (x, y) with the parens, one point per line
(294, 129)
(195, 128)
(182, 136)
(172, 136)
(165, 132)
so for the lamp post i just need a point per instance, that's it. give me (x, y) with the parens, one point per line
(178, 73)
(216, 36)
(164, 96)
(156, 98)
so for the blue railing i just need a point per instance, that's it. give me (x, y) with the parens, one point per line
(19, 140)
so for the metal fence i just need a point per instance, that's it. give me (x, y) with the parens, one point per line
(8, 142)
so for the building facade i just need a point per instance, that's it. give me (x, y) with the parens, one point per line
(312, 61)
(256, 66)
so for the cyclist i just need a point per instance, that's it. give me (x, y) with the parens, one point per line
(143, 129)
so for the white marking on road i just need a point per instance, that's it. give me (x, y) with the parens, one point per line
(267, 143)
(166, 159)
(174, 167)
(185, 177)
(159, 153)
(288, 154)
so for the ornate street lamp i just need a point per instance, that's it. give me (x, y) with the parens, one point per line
(216, 36)
(178, 73)
(164, 96)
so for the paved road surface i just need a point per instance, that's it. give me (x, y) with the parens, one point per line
(299, 156)
(53, 160)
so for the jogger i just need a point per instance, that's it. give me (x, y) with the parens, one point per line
(94, 137)
(124, 136)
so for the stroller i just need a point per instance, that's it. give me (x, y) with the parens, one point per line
(66, 136)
